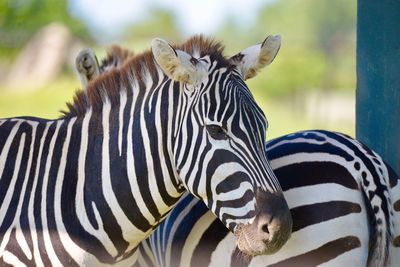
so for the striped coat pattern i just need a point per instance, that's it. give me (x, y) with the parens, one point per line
(87, 188)
(344, 201)
(336, 199)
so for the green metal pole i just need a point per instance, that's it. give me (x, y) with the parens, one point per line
(378, 78)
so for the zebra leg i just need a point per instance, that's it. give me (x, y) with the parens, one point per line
(87, 66)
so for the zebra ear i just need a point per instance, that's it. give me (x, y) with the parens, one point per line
(256, 57)
(177, 64)
(87, 66)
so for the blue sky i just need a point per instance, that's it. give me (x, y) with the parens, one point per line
(193, 16)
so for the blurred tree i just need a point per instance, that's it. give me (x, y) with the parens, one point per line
(318, 44)
(20, 19)
(159, 21)
(230, 31)
(334, 25)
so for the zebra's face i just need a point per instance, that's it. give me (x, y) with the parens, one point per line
(220, 143)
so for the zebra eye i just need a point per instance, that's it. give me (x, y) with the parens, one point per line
(216, 132)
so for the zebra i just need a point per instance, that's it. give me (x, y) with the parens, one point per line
(344, 201)
(351, 193)
(87, 188)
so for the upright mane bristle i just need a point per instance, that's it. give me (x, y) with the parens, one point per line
(111, 82)
(116, 56)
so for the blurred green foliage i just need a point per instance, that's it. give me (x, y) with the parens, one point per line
(160, 22)
(317, 53)
(318, 44)
(20, 19)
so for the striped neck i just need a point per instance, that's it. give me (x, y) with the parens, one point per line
(126, 173)
(135, 135)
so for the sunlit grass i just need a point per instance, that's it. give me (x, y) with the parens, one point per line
(43, 102)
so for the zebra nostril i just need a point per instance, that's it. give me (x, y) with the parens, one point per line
(264, 228)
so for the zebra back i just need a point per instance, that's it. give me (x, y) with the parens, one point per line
(321, 174)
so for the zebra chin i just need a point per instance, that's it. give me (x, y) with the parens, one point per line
(270, 229)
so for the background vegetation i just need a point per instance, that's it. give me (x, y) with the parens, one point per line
(311, 83)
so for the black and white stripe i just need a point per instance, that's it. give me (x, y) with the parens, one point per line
(86, 189)
(189, 211)
(344, 202)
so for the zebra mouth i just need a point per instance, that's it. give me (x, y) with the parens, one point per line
(270, 229)
(252, 242)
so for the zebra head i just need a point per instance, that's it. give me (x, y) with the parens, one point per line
(219, 139)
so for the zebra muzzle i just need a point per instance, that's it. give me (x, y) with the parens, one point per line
(271, 227)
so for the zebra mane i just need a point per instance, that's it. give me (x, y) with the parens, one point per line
(116, 56)
(135, 69)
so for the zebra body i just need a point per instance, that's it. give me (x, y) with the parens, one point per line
(57, 204)
(86, 189)
(342, 198)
